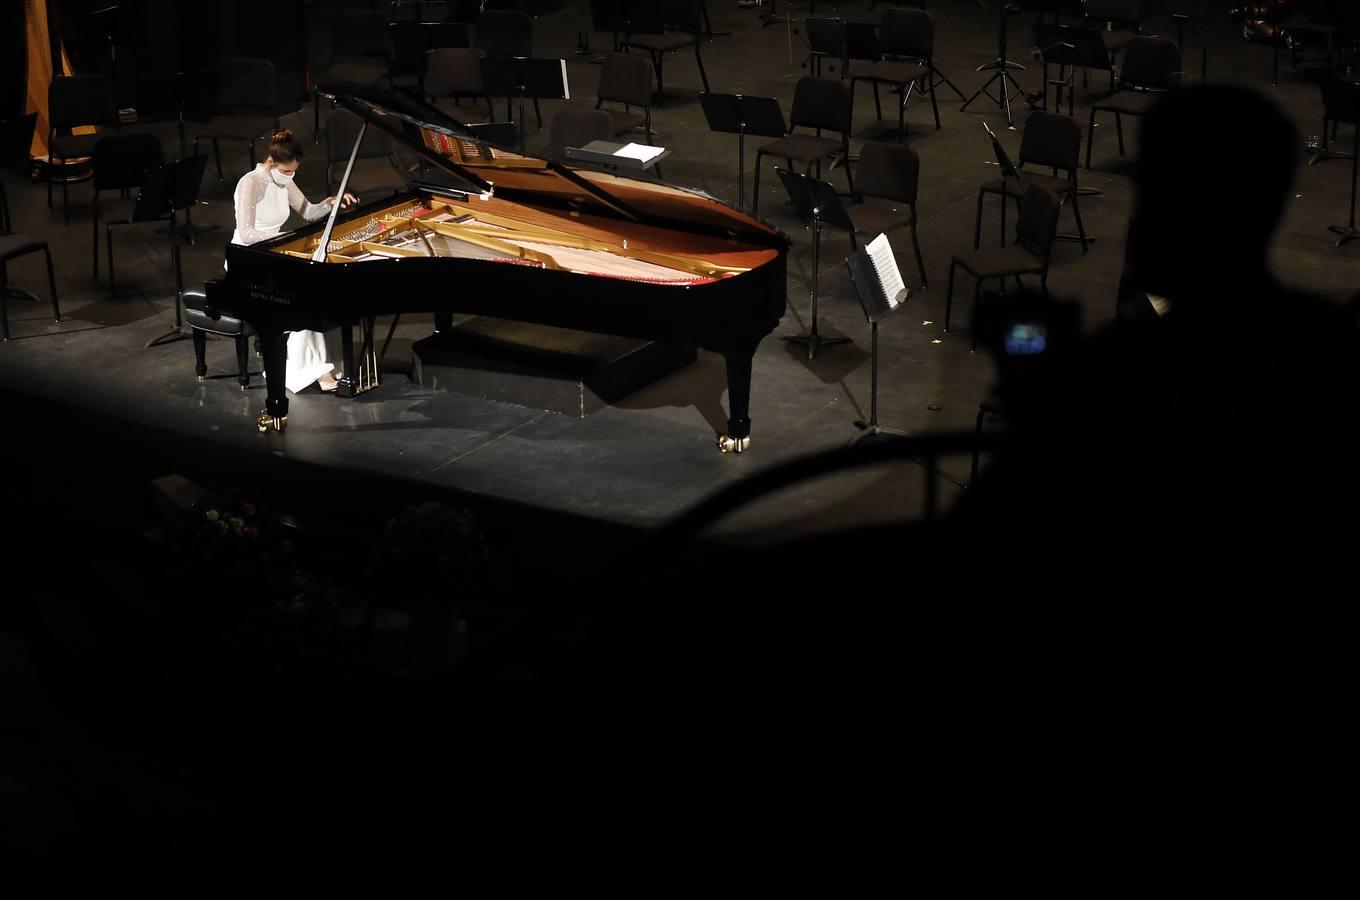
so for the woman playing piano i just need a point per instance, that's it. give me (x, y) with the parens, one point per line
(263, 198)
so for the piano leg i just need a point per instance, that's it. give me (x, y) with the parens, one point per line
(274, 349)
(349, 383)
(738, 437)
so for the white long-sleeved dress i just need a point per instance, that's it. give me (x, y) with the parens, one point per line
(261, 211)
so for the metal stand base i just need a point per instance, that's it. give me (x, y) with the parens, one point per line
(813, 341)
(1348, 233)
(181, 333)
(874, 431)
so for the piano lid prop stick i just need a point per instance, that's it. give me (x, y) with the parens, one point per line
(320, 254)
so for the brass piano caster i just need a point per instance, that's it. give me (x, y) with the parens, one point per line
(200, 379)
(243, 388)
(727, 444)
(265, 422)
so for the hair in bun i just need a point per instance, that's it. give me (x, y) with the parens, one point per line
(283, 147)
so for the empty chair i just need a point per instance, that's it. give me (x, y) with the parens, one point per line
(1029, 255)
(411, 45)
(205, 318)
(120, 163)
(13, 246)
(907, 41)
(74, 102)
(1151, 65)
(342, 130)
(1049, 141)
(246, 107)
(456, 74)
(576, 128)
(891, 173)
(664, 26)
(360, 54)
(626, 79)
(819, 103)
(826, 41)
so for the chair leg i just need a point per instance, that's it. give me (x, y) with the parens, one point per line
(703, 76)
(977, 434)
(1004, 201)
(934, 100)
(1119, 130)
(108, 247)
(217, 155)
(878, 106)
(316, 118)
(660, 83)
(94, 243)
(755, 186)
(902, 114)
(200, 353)
(65, 198)
(4, 303)
(52, 285)
(916, 247)
(242, 355)
(1019, 285)
(949, 294)
(977, 225)
(1081, 229)
(49, 180)
(849, 176)
(977, 302)
(538, 113)
(1090, 138)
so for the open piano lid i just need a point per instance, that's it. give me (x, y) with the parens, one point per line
(458, 150)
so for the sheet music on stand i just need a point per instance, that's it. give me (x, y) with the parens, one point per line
(877, 279)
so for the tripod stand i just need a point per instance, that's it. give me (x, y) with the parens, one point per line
(1002, 65)
(873, 297)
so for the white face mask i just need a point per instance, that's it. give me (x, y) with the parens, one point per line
(282, 179)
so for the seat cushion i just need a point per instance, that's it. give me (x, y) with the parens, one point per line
(803, 147)
(71, 146)
(875, 216)
(1128, 103)
(1011, 188)
(356, 71)
(993, 262)
(622, 121)
(660, 43)
(12, 245)
(239, 128)
(1115, 41)
(205, 320)
(892, 72)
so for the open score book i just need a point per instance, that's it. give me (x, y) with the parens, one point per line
(885, 266)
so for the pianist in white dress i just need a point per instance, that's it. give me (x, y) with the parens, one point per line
(263, 198)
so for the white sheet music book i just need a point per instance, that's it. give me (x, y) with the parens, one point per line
(885, 266)
(642, 152)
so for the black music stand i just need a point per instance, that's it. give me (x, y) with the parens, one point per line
(876, 305)
(1002, 65)
(525, 77)
(163, 97)
(816, 203)
(165, 191)
(607, 155)
(1068, 47)
(1348, 231)
(741, 115)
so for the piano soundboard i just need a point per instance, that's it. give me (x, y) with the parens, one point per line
(447, 228)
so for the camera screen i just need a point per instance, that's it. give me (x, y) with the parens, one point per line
(1026, 339)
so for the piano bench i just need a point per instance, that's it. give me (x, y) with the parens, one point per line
(206, 320)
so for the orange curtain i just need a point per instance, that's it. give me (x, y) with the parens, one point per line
(40, 73)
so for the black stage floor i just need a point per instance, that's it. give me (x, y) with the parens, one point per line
(651, 456)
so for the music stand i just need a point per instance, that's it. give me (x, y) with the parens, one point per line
(164, 97)
(608, 155)
(742, 115)
(1002, 65)
(1068, 47)
(876, 305)
(1348, 231)
(165, 191)
(525, 76)
(816, 203)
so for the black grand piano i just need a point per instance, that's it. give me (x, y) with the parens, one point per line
(512, 237)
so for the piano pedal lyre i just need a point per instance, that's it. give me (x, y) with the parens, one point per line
(729, 444)
(265, 422)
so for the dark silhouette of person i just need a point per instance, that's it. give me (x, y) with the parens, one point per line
(1177, 495)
